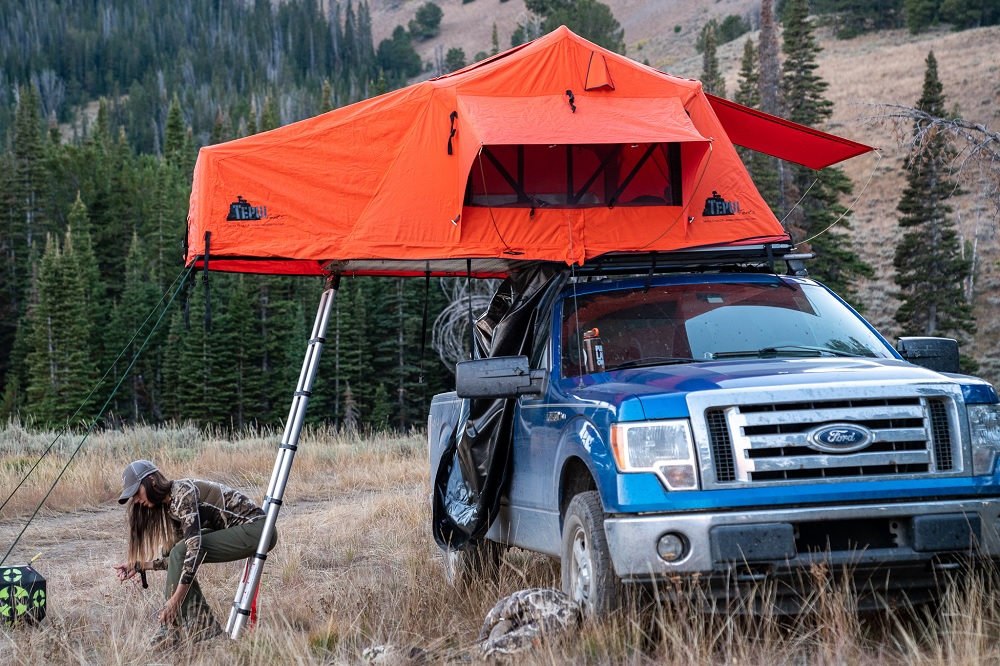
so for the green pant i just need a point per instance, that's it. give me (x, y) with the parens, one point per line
(229, 545)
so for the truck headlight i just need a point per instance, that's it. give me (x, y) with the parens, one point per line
(665, 448)
(984, 424)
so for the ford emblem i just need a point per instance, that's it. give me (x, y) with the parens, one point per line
(840, 438)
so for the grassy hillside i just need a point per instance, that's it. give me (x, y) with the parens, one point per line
(648, 24)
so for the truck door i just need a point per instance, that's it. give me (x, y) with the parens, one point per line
(533, 507)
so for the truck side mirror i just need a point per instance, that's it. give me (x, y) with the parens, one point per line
(938, 354)
(498, 377)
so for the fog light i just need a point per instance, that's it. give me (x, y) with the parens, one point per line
(671, 547)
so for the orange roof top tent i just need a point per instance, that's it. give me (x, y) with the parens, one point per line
(557, 150)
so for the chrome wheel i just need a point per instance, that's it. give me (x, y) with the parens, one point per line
(580, 568)
(588, 575)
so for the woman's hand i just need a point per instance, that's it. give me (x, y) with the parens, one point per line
(170, 610)
(125, 571)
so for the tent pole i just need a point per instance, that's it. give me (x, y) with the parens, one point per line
(247, 590)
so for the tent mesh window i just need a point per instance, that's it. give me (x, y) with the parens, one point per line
(576, 176)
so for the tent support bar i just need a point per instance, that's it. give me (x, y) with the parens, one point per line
(247, 590)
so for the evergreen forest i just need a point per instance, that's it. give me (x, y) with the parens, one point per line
(94, 207)
(103, 106)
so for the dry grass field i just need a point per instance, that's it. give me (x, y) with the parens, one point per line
(356, 566)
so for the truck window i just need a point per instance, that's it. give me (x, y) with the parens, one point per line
(697, 322)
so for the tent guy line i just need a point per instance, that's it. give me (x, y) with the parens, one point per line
(185, 272)
(878, 155)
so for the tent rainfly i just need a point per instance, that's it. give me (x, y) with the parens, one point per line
(557, 151)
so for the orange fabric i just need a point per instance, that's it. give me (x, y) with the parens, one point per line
(781, 138)
(374, 181)
(598, 75)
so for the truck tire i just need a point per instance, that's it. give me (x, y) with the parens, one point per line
(588, 575)
(477, 564)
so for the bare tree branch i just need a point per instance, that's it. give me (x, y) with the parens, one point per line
(977, 157)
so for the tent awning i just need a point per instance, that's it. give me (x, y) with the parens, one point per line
(595, 120)
(781, 138)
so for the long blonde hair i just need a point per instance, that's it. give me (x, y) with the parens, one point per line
(151, 531)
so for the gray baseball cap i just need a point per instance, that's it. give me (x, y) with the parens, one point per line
(133, 476)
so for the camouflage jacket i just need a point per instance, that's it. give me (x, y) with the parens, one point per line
(198, 505)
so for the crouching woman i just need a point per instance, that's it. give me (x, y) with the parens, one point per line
(195, 522)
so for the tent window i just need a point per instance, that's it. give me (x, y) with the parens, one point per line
(576, 176)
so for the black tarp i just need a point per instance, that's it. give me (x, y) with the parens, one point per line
(476, 461)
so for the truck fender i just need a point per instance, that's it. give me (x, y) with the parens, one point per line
(582, 450)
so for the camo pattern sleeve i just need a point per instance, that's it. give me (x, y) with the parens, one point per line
(163, 563)
(184, 509)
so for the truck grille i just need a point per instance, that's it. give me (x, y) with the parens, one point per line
(775, 442)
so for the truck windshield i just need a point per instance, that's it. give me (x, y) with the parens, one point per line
(687, 323)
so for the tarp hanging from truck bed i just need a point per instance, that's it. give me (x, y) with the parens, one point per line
(475, 462)
(557, 150)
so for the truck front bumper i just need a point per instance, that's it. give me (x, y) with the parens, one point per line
(912, 536)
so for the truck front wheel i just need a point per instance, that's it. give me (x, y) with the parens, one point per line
(588, 575)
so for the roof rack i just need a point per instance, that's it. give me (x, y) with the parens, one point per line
(757, 258)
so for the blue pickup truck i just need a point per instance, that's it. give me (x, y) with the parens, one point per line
(710, 417)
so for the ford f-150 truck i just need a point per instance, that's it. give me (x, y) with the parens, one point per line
(711, 418)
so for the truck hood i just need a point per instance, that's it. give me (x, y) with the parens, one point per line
(660, 391)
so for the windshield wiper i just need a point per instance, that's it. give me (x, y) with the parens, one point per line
(783, 350)
(656, 360)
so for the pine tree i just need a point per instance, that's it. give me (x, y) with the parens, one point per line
(247, 382)
(115, 203)
(270, 116)
(79, 223)
(252, 119)
(590, 19)
(930, 268)
(199, 366)
(365, 48)
(350, 42)
(61, 372)
(770, 102)
(282, 342)
(173, 139)
(139, 398)
(921, 14)
(10, 281)
(378, 418)
(381, 85)
(494, 41)
(326, 97)
(748, 82)
(29, 186)
(360, 340)
(350, 422)
(711, 75)
(770, 62)
(221, 130)
(819, 217)
(760, 166)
